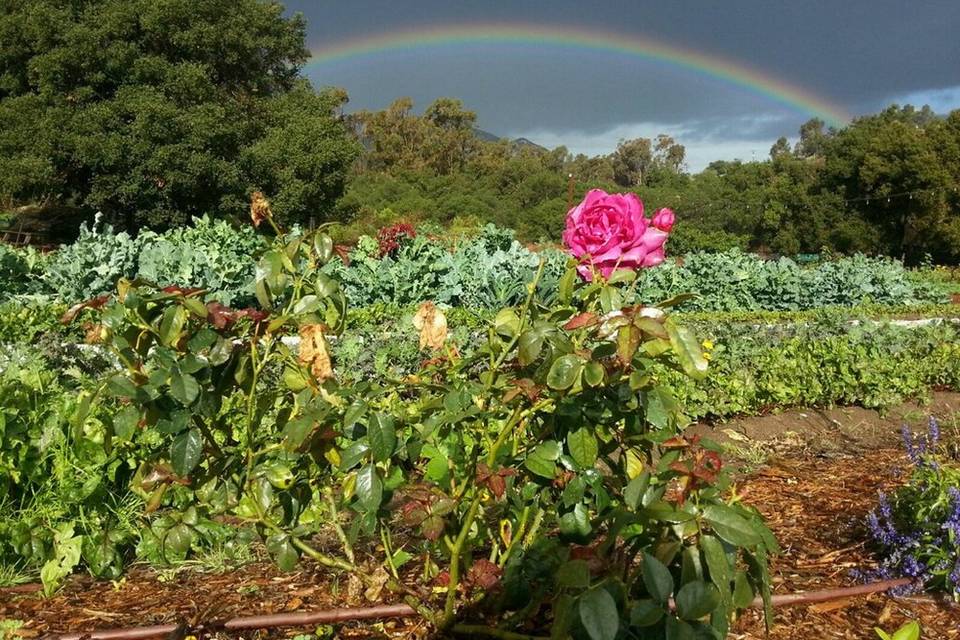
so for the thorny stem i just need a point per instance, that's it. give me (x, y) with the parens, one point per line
(324, 559)
(534, 528)
(458, 545)
(388, 552)
(335, 519)
(523, 322)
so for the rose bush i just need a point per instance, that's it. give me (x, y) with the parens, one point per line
(542, 478)
(607, 232)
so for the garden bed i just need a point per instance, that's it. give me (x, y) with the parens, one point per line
(814, 490)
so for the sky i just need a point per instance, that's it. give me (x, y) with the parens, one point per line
(726, 79)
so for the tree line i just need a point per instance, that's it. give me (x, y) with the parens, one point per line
(157, 112)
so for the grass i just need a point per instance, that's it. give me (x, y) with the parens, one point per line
(12, 575)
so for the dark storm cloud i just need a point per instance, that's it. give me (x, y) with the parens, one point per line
(858, 54)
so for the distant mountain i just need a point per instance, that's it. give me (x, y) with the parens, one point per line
(486, 136)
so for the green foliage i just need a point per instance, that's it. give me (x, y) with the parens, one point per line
(908, 631)
(25, 321)
(885, 184)
(915, 531)
(157, 112)
(819, 363)
(736, 281)
(209, 255)
(19, 269)
(490, 460)
(92, 265)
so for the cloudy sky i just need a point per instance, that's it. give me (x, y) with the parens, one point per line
(794, 59)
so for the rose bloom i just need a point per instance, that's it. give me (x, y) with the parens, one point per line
(608, 231)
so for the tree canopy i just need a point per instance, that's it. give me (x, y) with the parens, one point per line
(155, 111)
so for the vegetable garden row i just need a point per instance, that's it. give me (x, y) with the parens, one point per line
(482, 429)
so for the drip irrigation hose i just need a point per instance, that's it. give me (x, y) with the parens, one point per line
(404, 611)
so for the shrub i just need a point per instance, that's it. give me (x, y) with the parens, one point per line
(528, 475)
(916, 531)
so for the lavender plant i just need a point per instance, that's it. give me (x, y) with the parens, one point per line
(916, 530)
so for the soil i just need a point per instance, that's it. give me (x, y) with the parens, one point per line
(814, 474)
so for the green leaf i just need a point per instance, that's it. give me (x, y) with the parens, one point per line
(185, 451)
(540, 466)
(645, 613)
(657, 579)
(195, 306)
(583, 447)
(687, 349)
(125, 422)
(909, 631)
(574, 574)
(696, 599)
(564, 371)
(621, 276)
(566, 284)
(178, 540)
(593, 374)
(121, 386)
(599, 615)
(284, 553)
(717, 564)
(633, 492)
(353, 414)
(742, 591)
(530, 345)
(382, 436)
(279, 475)
(171, 327)
(369, 487)
(576, 523)
(323, 247)
(506, 323)
(731, 526)
(679, 630)
(306, 304)
(296, 431)
(184, 387)
(675, 300)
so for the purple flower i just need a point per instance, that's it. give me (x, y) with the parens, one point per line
(952, 523)
(914, 451)
(934, 433)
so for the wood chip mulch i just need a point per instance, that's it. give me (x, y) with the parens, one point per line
(815, 507)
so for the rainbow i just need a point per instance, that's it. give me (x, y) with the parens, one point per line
(733, 73)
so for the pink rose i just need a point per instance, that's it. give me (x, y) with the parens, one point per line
(609, 231)
(663, 219)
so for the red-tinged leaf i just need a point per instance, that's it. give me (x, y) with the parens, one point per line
(529, 388)
(94, 303)
(683, 468)
(254, 314)
(219, 316)
(677, 442)
(413, 513)
(182, 291)
(579, 321)
(497, 486)
(432, 528)
(484, 574)
(483, 472)
(343, 251)
(442, 579)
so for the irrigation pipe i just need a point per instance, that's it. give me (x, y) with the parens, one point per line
(403, 611)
